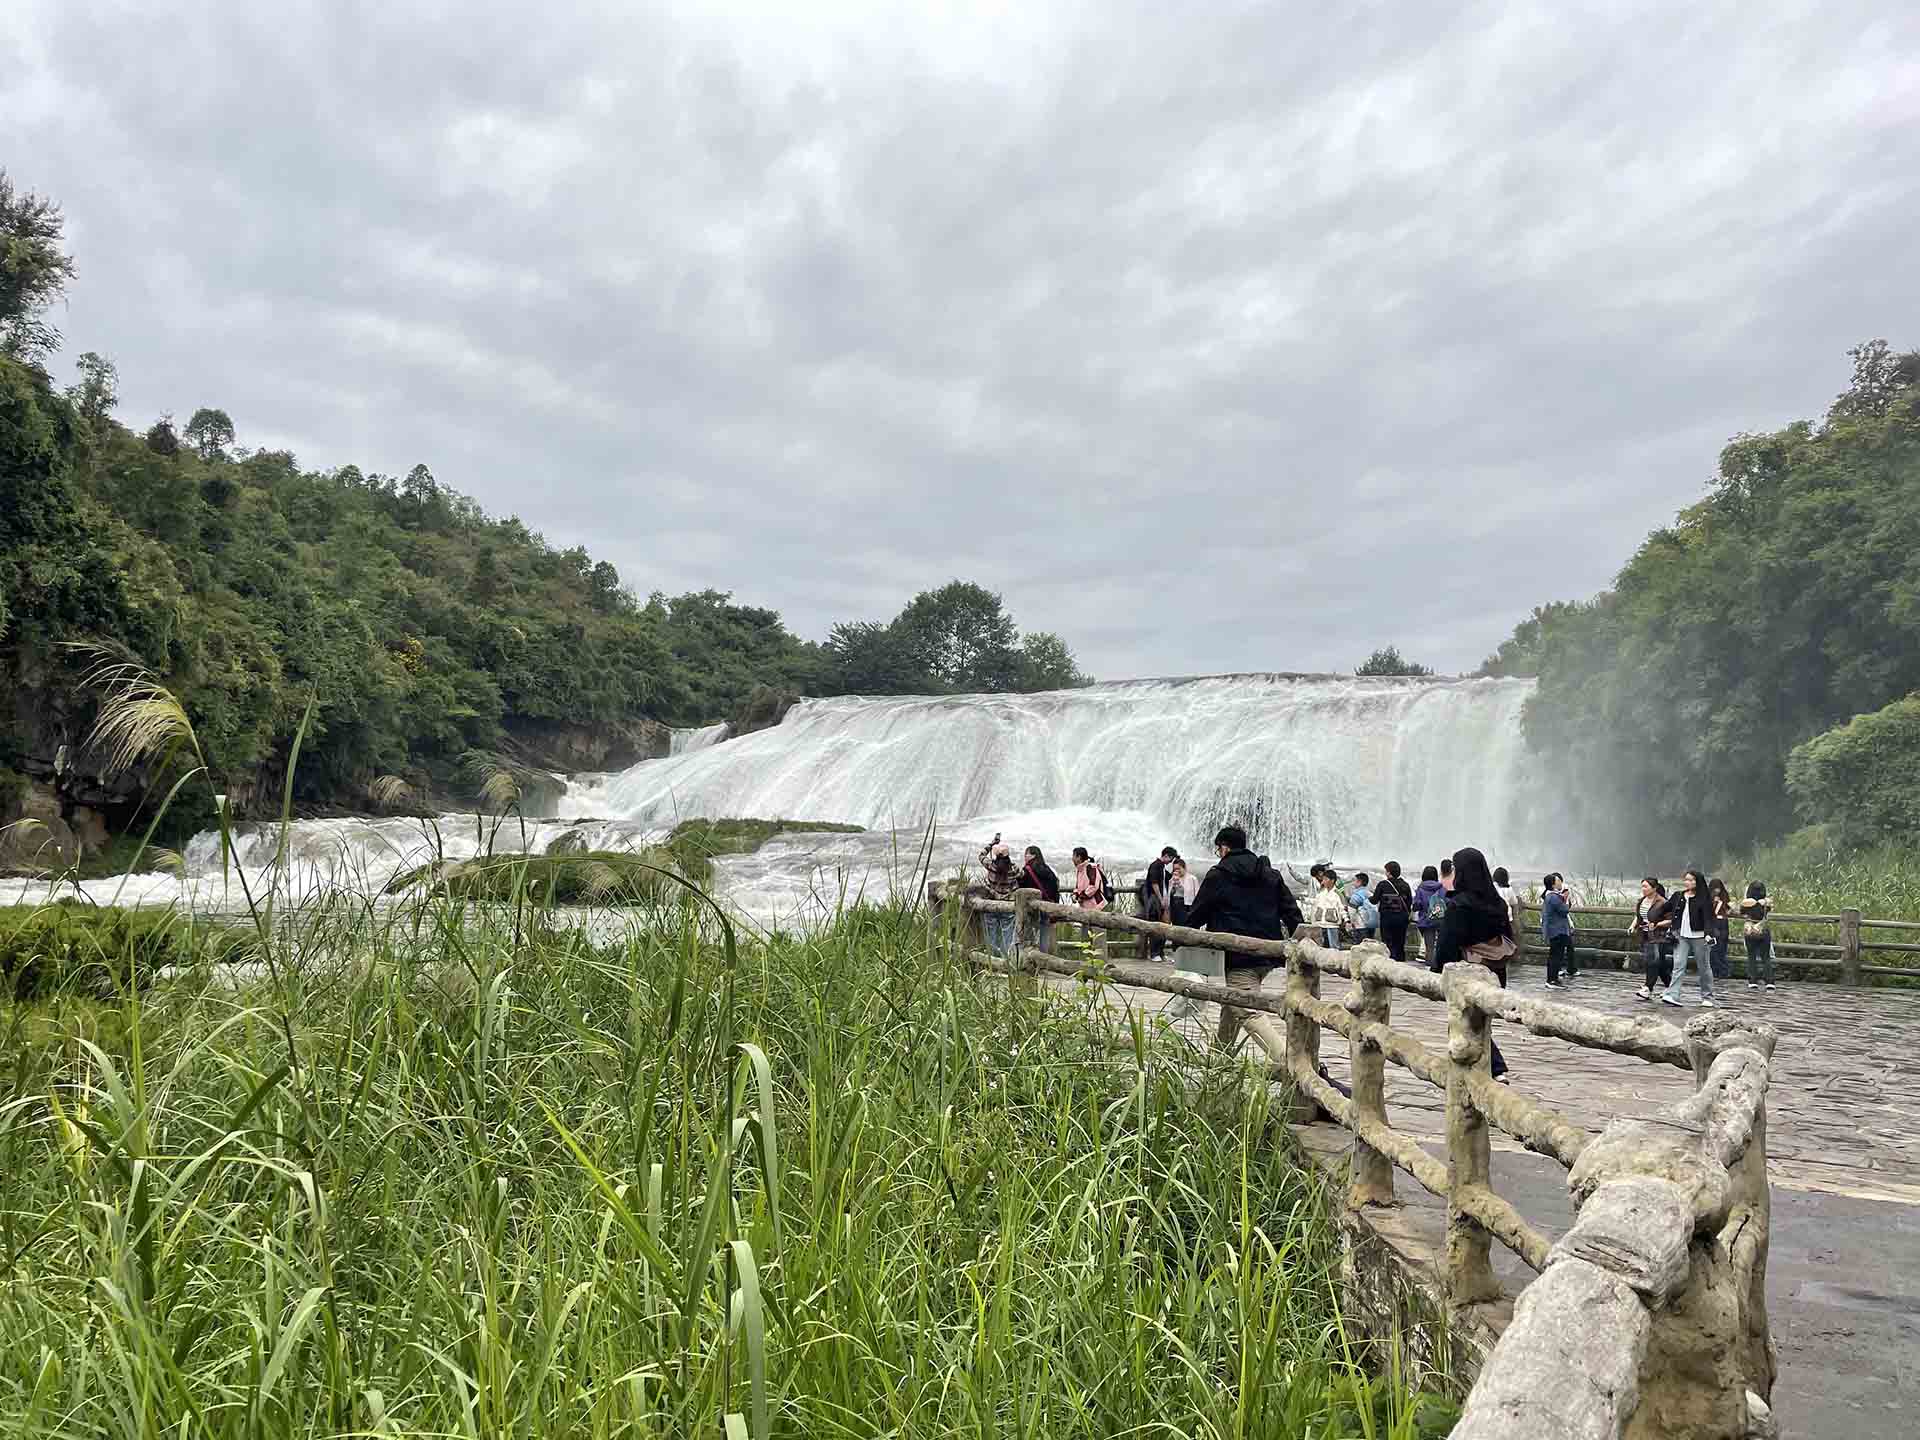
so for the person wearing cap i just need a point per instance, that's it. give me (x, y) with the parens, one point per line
(1000, 883)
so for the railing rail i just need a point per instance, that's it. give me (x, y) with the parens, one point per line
(1673, 1210)
(1850, 953)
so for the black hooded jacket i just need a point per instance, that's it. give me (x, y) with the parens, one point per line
(1245, 895)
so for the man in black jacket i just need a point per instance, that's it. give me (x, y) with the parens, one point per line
(1243, 895)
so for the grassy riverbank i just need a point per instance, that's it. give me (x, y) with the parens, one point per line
(424, 1181)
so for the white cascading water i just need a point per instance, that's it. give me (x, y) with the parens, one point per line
(697, 738)
(1333, 767)
(1313, 766)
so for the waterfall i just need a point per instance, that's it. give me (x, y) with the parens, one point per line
(1312, 765)
(698, 737)
(1316, 767)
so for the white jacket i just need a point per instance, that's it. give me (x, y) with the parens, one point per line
(1329, 909)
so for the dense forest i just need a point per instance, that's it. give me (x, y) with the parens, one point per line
(429, 638)
(1707, 701)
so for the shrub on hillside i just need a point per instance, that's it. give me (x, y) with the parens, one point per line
(1857, 778)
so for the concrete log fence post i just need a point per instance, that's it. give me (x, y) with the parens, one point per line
(1470, 1277)
(1370, 1180)
(936, 922)
(1303, 1032)
(1748, 1230)
(1849, 947)
(1022, 981)
(970, 930)
(1659, 1287)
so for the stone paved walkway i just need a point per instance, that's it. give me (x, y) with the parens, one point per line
(1843, 1144)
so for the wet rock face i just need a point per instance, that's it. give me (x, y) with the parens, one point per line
(36, 835)
(764, 708)
(571, 749)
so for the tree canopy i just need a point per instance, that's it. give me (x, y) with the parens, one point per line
(956, 639)
(1388, 661)
(1784, 603)
(34, 271)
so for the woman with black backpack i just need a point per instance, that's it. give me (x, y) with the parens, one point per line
(1090, 893)
(1393, 898)
(1429, 906)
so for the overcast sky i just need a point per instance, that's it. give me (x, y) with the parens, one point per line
(1213, 336)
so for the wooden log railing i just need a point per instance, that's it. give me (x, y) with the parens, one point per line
(1670, 1242)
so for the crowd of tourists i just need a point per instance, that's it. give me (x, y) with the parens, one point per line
(1461, 909)
(1694, 924)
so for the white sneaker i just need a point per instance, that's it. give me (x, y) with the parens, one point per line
(1666, 999)
(1755, 985)
(1769, 984)
(1643, 993)
(1707, 1005)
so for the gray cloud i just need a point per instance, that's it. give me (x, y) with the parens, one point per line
(1214, 338)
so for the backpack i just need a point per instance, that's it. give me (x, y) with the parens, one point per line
(1393, 901)
(1436, 907)
(1368, 912)
(1097, 878)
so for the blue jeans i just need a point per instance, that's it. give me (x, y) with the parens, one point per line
(1700, 947)
(999, 930)
(1331, 934)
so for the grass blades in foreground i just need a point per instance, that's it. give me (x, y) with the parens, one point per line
(426, 1182)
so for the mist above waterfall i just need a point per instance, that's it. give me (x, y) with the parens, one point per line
(1312, 765)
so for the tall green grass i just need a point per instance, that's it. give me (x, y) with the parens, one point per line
(1807, 874)
(420, 1179)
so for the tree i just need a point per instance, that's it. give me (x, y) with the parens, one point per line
(33, 272)
(867, 658)
(98, 390)
(1389, 661)
(962, 636)
(485, 583)
(160, 437)
(1047, 664)
(1879, 376)
(604, 590)
(209, 432)
(1522, 652)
